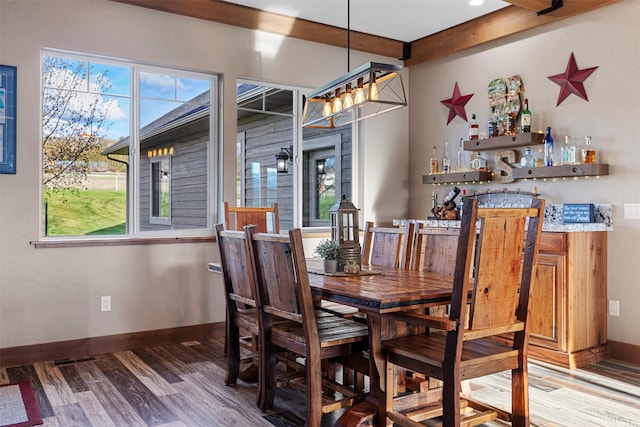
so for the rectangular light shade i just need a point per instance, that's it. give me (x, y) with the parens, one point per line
(367, 91)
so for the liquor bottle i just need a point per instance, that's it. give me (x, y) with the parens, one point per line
(461, 164)
(434, 161)
(473, 128)
(479, 163)
(446, 167)
(511, 123)
(588, 152)
(528, 161)
(548, 148)
(448, 199)
(568, 152)
(525, 118)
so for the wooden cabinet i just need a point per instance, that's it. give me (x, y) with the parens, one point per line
(568, 306)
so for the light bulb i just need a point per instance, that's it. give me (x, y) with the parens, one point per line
(337, 102)
(373, 91)
(347, 98)
(326, 109)
(358, 98)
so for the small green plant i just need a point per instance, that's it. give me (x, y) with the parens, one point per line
(328, 249)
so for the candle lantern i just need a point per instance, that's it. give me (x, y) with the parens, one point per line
(345, 230)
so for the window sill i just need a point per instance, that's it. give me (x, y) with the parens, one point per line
(43, 244)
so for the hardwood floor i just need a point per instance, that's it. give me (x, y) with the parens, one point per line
(183, 385)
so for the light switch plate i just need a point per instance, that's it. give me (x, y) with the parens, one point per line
(632, 211)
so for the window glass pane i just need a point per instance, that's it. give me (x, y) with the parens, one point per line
(267, 123)
(84, 191)
(161, 191)
(179, 130)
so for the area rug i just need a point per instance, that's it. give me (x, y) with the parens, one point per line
(18, 407)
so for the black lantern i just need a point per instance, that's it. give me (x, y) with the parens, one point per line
(345, 231)
(282, 159)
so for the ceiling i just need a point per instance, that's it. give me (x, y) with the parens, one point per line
(404, 20)
(415, 31)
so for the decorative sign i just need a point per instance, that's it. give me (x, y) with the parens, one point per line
(571, 80)
(503, 170)
(7, 119)
(578, 213)
(456, 104)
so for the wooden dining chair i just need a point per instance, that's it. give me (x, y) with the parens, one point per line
(503, 264)
(434, 249)
(241, 311)
(282, 282)
(387, 246)
(265, 218)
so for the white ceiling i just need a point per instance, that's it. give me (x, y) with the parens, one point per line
(404, 20)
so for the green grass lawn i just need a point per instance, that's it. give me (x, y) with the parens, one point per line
(85, 212)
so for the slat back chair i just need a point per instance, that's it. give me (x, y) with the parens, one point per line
(505, 261)
(282, 282)
(435, 250)
(265, 218)
(387, 246)
(241, 312)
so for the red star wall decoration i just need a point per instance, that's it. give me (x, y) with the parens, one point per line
(571, 80)
(456, 104)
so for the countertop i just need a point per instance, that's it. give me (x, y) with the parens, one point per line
(553, 220)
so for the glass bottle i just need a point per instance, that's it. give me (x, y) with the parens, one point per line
(461, 165)
(528, 161)
(568, 152)
(446, 167)
(434, 161)
(588, 152)
(473, 128)
(525, 118)
(548, 148)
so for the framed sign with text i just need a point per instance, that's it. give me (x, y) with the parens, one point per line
(7, 119)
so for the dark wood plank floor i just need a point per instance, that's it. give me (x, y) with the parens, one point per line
(183, 385)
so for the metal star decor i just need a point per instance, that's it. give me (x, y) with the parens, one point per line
(456, 104)
(571, 80)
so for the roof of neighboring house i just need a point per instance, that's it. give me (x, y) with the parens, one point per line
(182, 115)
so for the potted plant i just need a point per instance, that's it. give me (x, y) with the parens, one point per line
(330, 252)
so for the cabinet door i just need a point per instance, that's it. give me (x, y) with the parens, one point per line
(546, 305)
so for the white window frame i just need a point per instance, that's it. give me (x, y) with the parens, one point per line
(214, 167)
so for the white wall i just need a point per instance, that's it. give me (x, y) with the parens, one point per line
(607, 38)
(49, 295)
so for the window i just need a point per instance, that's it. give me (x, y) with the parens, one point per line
(268, 120)
(127, 148)
(161, 191)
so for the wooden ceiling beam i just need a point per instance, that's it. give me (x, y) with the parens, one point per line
(494, 26)
(520, 16)
(256, 19)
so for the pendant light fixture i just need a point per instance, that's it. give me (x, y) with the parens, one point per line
(367, 91)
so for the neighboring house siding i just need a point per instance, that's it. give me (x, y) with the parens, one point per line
(188, 185)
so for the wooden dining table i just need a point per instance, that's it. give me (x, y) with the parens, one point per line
(379, 292)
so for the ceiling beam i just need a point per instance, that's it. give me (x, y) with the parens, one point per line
(520, 16)
(256, 19)
(494, 26)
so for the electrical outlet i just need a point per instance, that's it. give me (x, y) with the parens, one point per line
(614, 307)
(105, 303)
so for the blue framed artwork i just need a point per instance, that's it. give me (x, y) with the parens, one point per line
(7, 119)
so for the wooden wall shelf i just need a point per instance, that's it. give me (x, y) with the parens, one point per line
(506, 141)
(457, 177)
(593, 169)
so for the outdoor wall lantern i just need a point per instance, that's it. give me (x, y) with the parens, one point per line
(345, 230)
(283, 158)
